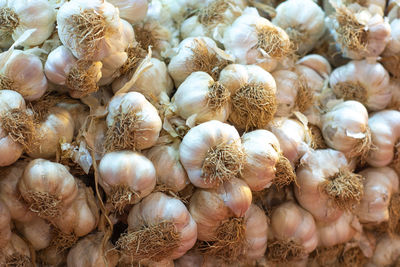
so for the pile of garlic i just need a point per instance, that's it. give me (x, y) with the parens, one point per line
(199, 133)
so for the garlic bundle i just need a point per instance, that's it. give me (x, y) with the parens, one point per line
(364, 81)
(133, 123)
(197, 54)
(79, 76)
(37, 231)
(17, 16)
(126, 177)
(5, 225)
(92, 30)
(170, 172)
(131, 10)
(294, 231)
(47, 188)
(253, 95)
(304, 29)
(199, 99)
(326, 186)
(15, 253)
(252, 39)
(88, 252)
(345, 128)
(212, 153)
(387, 251)
(22, 72)
(159, 228)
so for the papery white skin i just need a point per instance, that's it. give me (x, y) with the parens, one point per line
(371, 75)
(197, 142)
(393, 47)
(387, 251)
(149, 122)
(241, 38)
(159, 207)
(262, 153)
(5, 224)
(289, 222)
(25, 70)
(286, 91)
(38, 14)
(256, 232)
(127, 168)
(15, 247)
(211, 207)
(131, 10)
(190, 101)
(315, 167)
(379, 186)
(37, 231)
(385, 132)
(169, 169)
(317, 63)
(310, 23)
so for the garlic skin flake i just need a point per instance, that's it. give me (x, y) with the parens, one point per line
(131, 10)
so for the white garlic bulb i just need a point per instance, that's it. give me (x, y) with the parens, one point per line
(37, 231)
(126, 177)
(16, 251)
(364, 81)
(211, 153)
(131, 10)
(387, 251)
(252, 39)
(133, 123)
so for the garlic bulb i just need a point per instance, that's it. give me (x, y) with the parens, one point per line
(364, 81)
(22, 72)
(170, 172)
(211, 153)
(304, 30)
(37, 231)
(294, 231)
(88, 252)
(387, 251)
(92, 30)
(159, 228)
(131, 10)
(126, 177)
(326, 187)
(256, 232)
(47, 188)
(15, 253)
(5, 224)
(199, 99)
(79, 76)
(133, 123)
(394, 86)
(253, 95)
(252, 39)
(197, 54)
(17, 16)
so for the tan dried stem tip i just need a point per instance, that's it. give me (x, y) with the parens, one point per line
(89, 28)
(231, 241)
(304, 98)
(344, 188)
(223, 162)
(17, 260)
(155, 242)
(20, 126)
(351, 91)
(362, 147)
(317, 139)
(145, 36)
(62, 241)
(9, 20)
(271, 41)
(205, 60)
(284, 251)
(82, 78)
(392, 64)
(45, 205)
(254, 105)
(213, 14)
(218, 96)
(121, 134)
(284, 174)
(121, 196)
(351, 33)
(6, 83)
(135, 55)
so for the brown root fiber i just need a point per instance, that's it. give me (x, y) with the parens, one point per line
(6, 83)
(9, 20)
(392, 64)
(145, 37)
(353, 257)
(218, 96)
(135, 56)
(121, 134)
(284, 251)
(344, 188)
(304, 98)
(327, 256)
(363, 146)
(43, 204)
(231, 241)
(396, 158)
(270, 40)
(20, 126)
(351, 91)
(393, 225)
(317, 141)
(62, 241)
(154, 242)
(82, 78)
(284, 174)
(42, 106)
(121, 196)
(254, 105)
(351, 33)
(223, 162)
(213, 14)
(17, 260)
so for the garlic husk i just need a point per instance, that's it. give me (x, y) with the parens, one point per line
(199, 99)
(159, 228)
(37, 231)
(126, 177)
(15, 253)
(253, 95)
(211, 153)
(5, 225)
(131, 10)
(364, 81)
(304, 30)
(252, 39)
(387, 251)
(22, 15)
